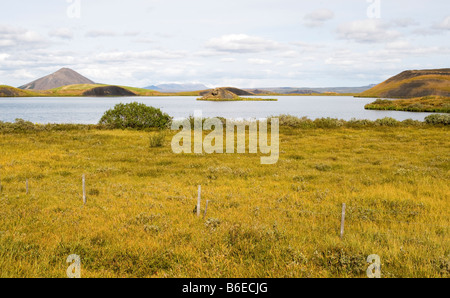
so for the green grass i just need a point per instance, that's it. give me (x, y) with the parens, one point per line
(78, 90)
(263, 221)
(436, 104)
(8, 91)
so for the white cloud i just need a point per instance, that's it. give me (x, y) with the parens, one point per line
(131, 33)
(318, 18)
(289, 54)
(367, 31)
(12, 37)
(144, 40)
(405, 22)
(228, 59)
(22, 74)
(259, 61)
(63, 33)
(100, 33)
(144, 55)
(242, 43)
(3, 57)
(297, 65)
(444, 25)
(110, 33)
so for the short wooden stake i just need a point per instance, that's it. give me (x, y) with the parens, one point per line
(199, 199)
(206, 209)
(84, 189)
(343, 220)
(26, 185)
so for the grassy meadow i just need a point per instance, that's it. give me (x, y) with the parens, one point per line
(281, 220)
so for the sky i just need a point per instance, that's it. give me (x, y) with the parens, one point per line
(239, 43)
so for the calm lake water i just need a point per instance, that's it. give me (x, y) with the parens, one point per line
(89, 110)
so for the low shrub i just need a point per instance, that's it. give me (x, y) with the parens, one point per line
(135, 115)
(437, 119)
(387, 122)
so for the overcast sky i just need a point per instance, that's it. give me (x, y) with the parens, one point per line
(241, 43)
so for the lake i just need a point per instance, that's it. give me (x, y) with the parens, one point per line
(88, 110)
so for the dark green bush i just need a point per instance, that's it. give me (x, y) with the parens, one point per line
(438, 119)
(135, 115)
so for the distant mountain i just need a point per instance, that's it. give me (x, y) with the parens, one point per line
(308, 90)
(413, 83)
(62, 77)
(177, 87)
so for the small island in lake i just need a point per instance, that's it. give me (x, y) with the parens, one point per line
(230, 94)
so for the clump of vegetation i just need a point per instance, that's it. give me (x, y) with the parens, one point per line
(435, 104)
(387, 122)
(157, 140)
(135, 115)
(437, 119)
(22, 126)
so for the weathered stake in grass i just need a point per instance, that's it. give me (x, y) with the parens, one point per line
(206, 209)
(26, 186)
(343, 220)
(199, 199)
(84, 189)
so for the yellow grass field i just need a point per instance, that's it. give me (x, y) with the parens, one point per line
(278, 220)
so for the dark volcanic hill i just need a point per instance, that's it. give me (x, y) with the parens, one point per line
(229, 90)
(108, 91)
(224, 93)
(413, 83)
(63, 77)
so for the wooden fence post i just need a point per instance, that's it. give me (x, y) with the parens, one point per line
(199, 199)
(343, 220)
(206, 209)
(84, 189)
